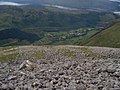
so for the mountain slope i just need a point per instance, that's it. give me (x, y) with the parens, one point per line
(109, 37)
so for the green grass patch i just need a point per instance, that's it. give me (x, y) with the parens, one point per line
(6, 48)
(8, 57)
(11, 50)
(39, 54)
(69, 53)
(89, 53)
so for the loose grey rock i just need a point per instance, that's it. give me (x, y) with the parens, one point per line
(12, 77)
(111, 69)
(117, 74)
(22, 66)
(76, 70)
(4, 87)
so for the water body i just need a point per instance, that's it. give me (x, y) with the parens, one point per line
(61, 7)
(115, 0)
(48, 5)
(11, 3)
(116, 12)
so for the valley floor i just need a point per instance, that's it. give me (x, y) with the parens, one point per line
(59, 68)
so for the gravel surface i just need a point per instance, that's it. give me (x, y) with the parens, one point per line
(60, 68)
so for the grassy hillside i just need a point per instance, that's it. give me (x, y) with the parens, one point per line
(109, 37)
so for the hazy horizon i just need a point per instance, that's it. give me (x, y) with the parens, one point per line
(106, 5)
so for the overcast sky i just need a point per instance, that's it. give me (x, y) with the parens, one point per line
(11, 3)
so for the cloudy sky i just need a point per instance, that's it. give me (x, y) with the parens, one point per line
(115, 0)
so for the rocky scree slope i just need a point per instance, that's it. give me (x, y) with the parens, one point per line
(59, 68)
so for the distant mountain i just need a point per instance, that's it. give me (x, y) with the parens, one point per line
(109, 37)
(51, 23)
(21, 17)
(106, 5)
